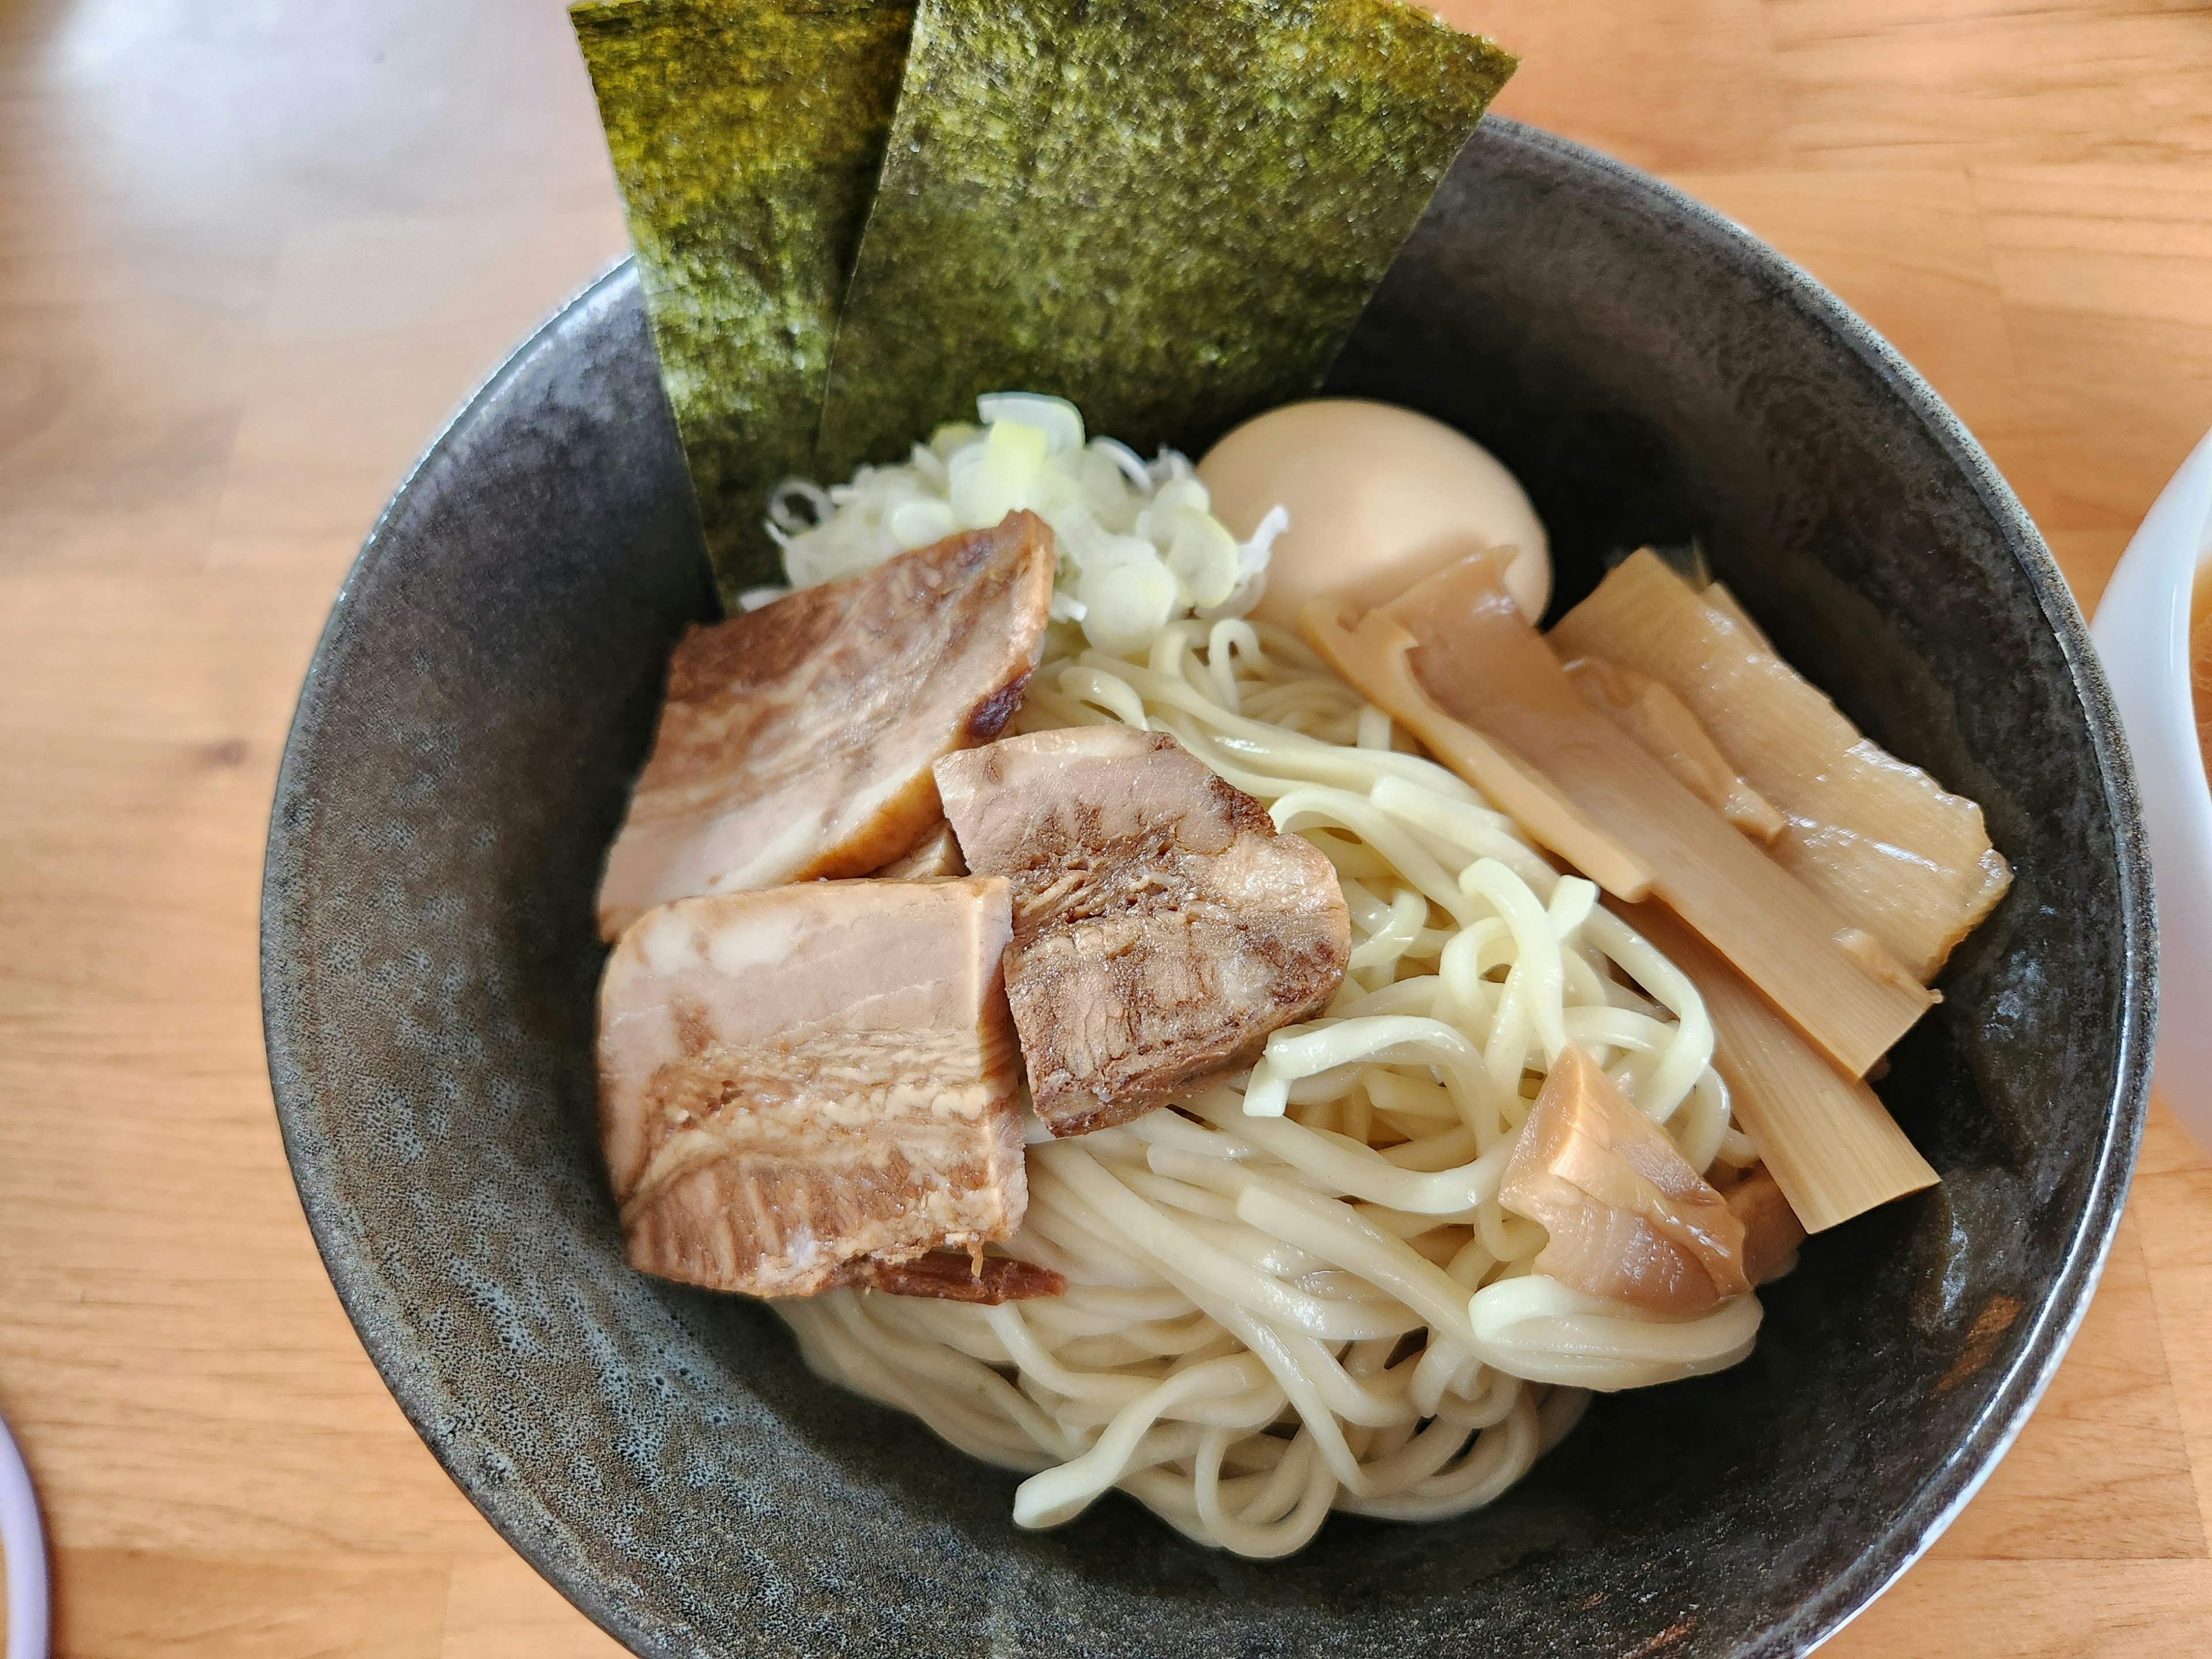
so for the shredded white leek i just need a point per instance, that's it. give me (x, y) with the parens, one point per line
(1137, 541)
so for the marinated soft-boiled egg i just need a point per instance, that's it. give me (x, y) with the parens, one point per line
(1378, 498)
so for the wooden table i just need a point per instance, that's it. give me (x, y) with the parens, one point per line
(250, 257)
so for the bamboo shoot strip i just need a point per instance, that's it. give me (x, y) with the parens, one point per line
(747, 135)
(1651, 713)
(1170, 214)
(1831, 1146)
(1722, 598)
(1484, 664)
(1372, 656)
(1881, 841)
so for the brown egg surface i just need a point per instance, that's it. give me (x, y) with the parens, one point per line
(1378, 497)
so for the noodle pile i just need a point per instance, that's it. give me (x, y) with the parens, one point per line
(1302, 1294)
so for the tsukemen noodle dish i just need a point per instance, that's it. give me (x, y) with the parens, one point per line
(1168, 970)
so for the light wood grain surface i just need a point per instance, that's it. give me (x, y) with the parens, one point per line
(251, 255)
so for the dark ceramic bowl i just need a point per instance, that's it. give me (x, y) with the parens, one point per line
(485, 691)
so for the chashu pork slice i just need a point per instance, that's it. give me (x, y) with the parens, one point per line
(1162, 927)
(796, 740)
(799, 1085)
(935, 856)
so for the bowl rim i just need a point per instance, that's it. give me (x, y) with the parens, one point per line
(2166, 559)
(527, 1525)
(2143, 628)
(2146, 618)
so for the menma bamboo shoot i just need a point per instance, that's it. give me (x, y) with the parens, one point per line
(1483, 663)
(1372, 656)
(1881, 841)
(1652, 714)
(1830, 1144)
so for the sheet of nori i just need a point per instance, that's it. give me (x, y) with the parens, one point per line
(747, 136)
(1169, 213)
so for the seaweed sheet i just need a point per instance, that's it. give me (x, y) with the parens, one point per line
(747, 136)
(1171, 214)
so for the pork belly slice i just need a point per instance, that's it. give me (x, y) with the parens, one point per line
(1162, 927)
(945, 1276)
(798, 1084)
(935, 856)
(796, 740)
(1628, 1217)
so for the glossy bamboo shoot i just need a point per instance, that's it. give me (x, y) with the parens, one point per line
(1828, 1141)
(1722, 598)
(1373, 657)
(1481, 662)
(1652, 714)
(1881, 841)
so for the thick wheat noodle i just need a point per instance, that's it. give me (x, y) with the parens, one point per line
(1298, 1291)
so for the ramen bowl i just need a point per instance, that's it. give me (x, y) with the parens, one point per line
(2143, 631)
(485, 692)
